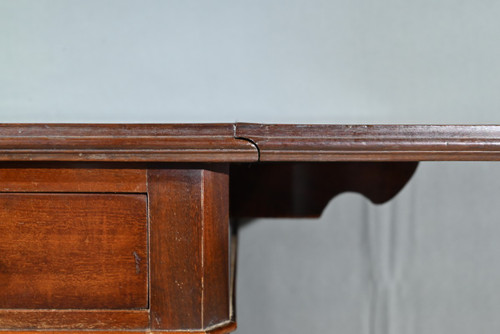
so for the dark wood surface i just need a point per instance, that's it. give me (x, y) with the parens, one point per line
(125, 226)
(73, 251)
(71, 177)
(304, 189)
(221, 329)
(242, 142)
(114, 246)
(43, 320)
(123, 142)
(215, 202)
(189, 247)
(175, 216)
(373, 142)
(90, 322)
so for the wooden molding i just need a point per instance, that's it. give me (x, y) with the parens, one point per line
(52, 320)
(242, 142)
(373, 142)
(123, 142)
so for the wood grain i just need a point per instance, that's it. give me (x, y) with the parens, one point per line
(189, 248)
(49, 320)
(71, 177)
(73, 251)
(175, 248)
(215, 196)
(106, 317)
(123, 142)
(302, 142)
(82, 259)
(241, 142)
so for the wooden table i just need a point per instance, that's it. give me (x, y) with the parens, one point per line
(126, 227)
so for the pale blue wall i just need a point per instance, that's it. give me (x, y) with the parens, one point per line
(261, 60)
(425, 263)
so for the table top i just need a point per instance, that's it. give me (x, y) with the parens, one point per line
(245, 142)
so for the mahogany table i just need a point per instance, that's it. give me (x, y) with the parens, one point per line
(125, 227)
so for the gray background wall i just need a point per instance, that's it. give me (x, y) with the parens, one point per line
(424, 263)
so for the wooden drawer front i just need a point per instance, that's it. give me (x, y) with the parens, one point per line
(73, 251)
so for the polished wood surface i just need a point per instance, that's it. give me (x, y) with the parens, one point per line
(71, 177)
(104, 236)
(124, 227)
(189, 242)
(244, 142)
(43, 321)
(278, 142)
(97, 320)
(123, 142)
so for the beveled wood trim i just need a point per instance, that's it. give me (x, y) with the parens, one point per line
(123, 142)
(373, 142)
(220, 329)
(241, 142)
(73, 332)
(73, 319)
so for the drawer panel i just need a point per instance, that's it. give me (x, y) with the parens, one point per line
(71, 177)
(73, 251)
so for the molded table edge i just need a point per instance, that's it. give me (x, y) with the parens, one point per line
(124, 143)
(306, 142)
